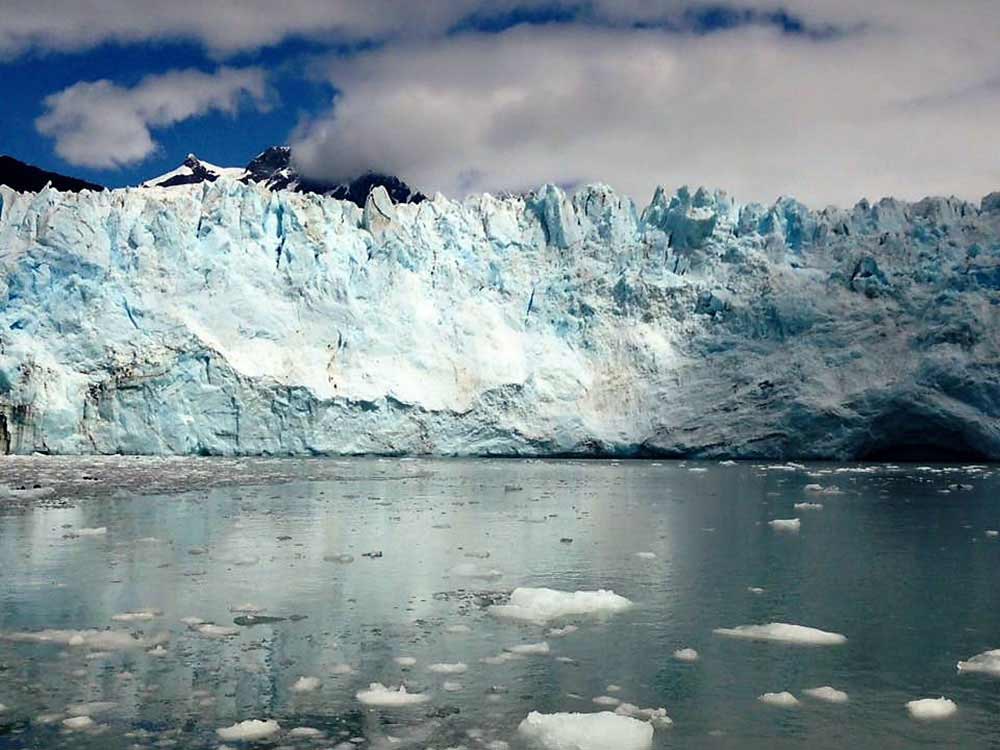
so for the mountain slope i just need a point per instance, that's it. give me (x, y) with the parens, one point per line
(17, 175)
(229, 319)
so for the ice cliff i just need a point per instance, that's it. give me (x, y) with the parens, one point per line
(224, 318)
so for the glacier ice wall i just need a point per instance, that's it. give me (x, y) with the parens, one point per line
(227, 319)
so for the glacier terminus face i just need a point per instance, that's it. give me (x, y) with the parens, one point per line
(225, 318)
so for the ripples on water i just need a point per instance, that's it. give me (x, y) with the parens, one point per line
(204, 592)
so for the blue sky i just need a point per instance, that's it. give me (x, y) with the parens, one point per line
(827, 100)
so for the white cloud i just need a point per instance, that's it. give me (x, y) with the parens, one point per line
(907, 105)
(100, 124)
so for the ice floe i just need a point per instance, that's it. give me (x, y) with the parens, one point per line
(78, 723)
(378, 694)
(655, 716)
(783, 699)
(785, 524)
(562, 632)
(94, 640)
(252, 730)
(931, 709)
(686, 654)
(306, 685)
(578, 731)
(987, 662)
(808, 506)
(784, 633)
(826, 693)
(444, 668)
(646, 555)
(405, 661)
(139, 616)
(530, 649)
(542, 604)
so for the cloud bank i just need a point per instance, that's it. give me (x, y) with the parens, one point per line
(102, 125)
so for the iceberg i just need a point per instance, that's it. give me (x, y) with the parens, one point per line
(224, 318)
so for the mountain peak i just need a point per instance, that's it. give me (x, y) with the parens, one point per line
(27, 178)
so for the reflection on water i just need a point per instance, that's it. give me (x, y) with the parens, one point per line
(235, 579)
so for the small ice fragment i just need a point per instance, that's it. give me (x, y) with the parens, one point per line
(784, 633)
(781, 700)
(405, 661)
(157, 651)
(192, 621)
(992, 533)
(613, 689)
(686, 654)
(2, 708)
(606, 700)
(86, 709)
(561, 632)
(577, 731)
(542, 604)
(530, 649)
(930, 709)
(808, 506)
(208, 630)
(827, 693)
(785, 524)
(987, 662)
(139, 616)
(755, 589)
(457, 629)
(451, 687)
(306, 733)
(471, 570)
(251, 730)
(698, 469)
(343, 558)
(646, 555)
(306, 684)
(78, 723)
(342, 669)
(97, 531)
(378, 694)
(444, 668)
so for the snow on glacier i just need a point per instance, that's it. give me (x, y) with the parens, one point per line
(222, 318)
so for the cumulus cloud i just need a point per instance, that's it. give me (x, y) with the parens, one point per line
(102, 125)
(904, 102)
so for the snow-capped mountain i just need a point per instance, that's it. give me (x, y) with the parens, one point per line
(226, 318)
(192, 171)
(274, 169)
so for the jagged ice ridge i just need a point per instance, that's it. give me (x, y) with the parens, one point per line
(225, 318)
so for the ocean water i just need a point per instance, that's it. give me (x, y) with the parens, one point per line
(898, 560)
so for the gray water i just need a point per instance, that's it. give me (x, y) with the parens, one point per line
(897, 562)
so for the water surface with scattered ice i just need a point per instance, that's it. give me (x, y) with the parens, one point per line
(195, 603)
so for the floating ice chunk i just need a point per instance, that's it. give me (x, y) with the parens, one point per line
(930, 709)
(78, 723)
(727, 462)
(444, 668)
(192, 621)
(987, 662)
(530, 649)
(575, 731)
(309, 733)
(342, 669)
(87, 709)
(2, 708)
(808, 506)
(561, 632)
(405, 661)
(542, 604)
(94, 640)
(784, 633)
(783, 699)
(686, 654)
(646, 555)
(451, 687)
(457, 629)
(655, 716)
(378, 694)
(992, 533)
(606, 700)
(755, 589)
(98, 531)
(158, 651)
(698, 469)
(209, 630)
(306, 684)
(785, 524)
(251, 730)
(471, 570)
(826, 693)
(140, 616)
(343, 558)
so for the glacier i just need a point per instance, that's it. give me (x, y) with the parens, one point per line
(228, 319)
